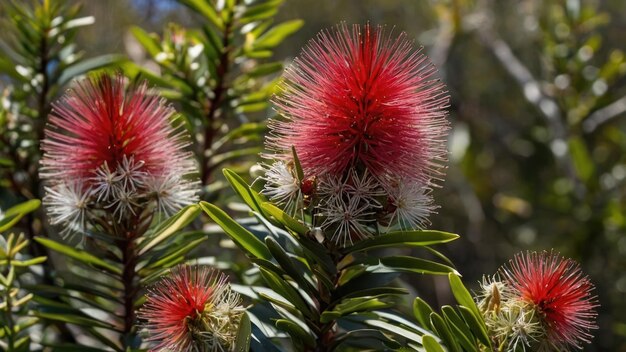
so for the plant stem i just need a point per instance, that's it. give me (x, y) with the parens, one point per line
(129, 261)
(223, 68)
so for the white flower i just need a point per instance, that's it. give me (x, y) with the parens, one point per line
(67, 205)
(348, 220)
(365, 188)
(282, 187)
(173, 192)
(411, 203)
(130, 173)
(105, 182)
(331, 190)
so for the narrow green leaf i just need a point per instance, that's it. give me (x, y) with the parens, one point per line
(353, 305)
(583, 163)
(461, 331)
(422, 312)
(74, 319)
(265, 69)
(442, 329)
(277, 34)
(288, 265)
(79, 255)
(408, 265)
(431, 345)
(296, 332)
(146, 40)
(296, 161)
(403, 239)
(84, 66)
(15, 213)
(461, 293)
(170, 227)
(244, 334)
(283, 288)
(206, 9)
(249, 196)
(477, 325)
(27, 263)
(292, 224)
(242, 237)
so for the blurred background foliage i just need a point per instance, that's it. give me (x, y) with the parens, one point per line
(538, 144)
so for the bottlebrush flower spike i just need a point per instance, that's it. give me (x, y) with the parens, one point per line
(559, 293)
(119, 145)
(193, 309)
(358, 97)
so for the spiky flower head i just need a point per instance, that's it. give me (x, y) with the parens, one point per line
(117, 151)
(365, 116)
(192, 309)
(559, 293)
(361, 97)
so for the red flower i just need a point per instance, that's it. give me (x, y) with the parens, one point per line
(178, 309)
(559, 292)
(100, 122)
(116, 149)
(361, 98)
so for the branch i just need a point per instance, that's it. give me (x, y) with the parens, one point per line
(604, 115)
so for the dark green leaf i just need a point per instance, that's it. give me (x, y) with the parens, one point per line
(242, 343)
(422, 312)
(170, 227)
(277, 34)
(353, 305)
(476, 324)
(292, 224)
(249, 196)
(403, 239)
(79, 255)
(461, 331)
(296, 332)
(284, 289)
(442, 329)
(242, 237)
(289, 266)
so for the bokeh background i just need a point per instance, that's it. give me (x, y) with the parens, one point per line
(538, 115)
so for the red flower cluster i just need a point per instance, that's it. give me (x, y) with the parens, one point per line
(559, 292)
(361, 98)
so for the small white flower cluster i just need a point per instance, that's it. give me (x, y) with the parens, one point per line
(349, 208)
(510, 321)
(121, 192)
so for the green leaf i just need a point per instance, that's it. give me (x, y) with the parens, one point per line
(170, 227)
(476, 324)
(422, 312)
(431, 345)
(296, 162)
(442, 330)
(68, 317)
(249, 196)
(277, 34)
(288, 265)
(461, 331)
(265, 69)
(15, 213)
(79, 255)
(205, 9)
(244, 334)
(84, 66)
(403, 239)
(353, 305)
(25, 263)
(284, 289)
(296, 332)
(461, 293)
(282, 217)
(242, 237)
(583, 163)
(409, 265)
(149, 43)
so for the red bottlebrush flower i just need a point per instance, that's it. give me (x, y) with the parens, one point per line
(361, 98)
(99, 122)
(559, 292)
(116, 149)
(192, 310)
